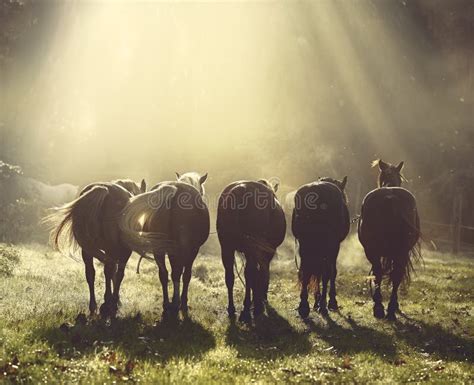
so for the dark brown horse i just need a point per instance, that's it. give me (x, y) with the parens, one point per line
(172, 219)
(320, 222)
(389, 230)
(249, 220)
(91, 223)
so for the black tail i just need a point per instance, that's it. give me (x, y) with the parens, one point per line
(317, 257)
(409, 251)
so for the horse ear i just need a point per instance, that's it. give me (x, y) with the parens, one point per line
(275, 187)
(344, 182)
(177, 175)
(143, 186)
(400, 166)
(203, 178)
(382, 165)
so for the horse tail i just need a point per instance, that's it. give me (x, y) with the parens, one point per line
(411, 257)
(77, 224)
(315, 261)
(138, 215)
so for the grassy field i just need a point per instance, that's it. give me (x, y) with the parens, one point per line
(42, 293)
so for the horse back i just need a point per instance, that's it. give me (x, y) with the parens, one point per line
(320, 209)
(250, 209)
(389, 219)
(185, 218)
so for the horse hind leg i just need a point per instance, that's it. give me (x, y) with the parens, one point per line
(323, 310)
(163, 274)
(176, 273)
(228, 258)
(90, 278)
(119, 274)
(109, 307)
(250, 273)
(332, 305)
(303, 308)
(396, 276)
(186, 279)
(379, 311)
(317, 292)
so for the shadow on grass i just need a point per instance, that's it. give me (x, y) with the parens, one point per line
(169, 338)
(271, 337)
(355, 339)
(433, 339)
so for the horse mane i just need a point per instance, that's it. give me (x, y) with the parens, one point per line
(375, 163)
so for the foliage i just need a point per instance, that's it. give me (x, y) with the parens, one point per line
(9, 258)
(19, 222)
(19, 217)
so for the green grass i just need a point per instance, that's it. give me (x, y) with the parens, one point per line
(39, 340)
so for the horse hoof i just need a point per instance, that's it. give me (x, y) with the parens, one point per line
(92, 309)
(173, 309)
(245, 316)
(391, 316)
(393, 308)
(379, 312)
(303, 310)
(104, 310)
(332, 305)
(81, 319)
(323, 311)
(257, 312)
(231, 311)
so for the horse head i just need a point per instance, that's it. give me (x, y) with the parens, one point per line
(271, 185)
(390, 175)
(193, 179)
(131, 186)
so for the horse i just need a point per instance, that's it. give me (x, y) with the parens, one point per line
(320, 222)
(90, 222)
(131, 185)
(389, 231)
(250, 220)
(171, 219)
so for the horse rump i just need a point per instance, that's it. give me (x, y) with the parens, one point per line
(138, 215)
(77, 224)
(390, 227)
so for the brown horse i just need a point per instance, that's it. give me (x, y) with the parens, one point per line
(175, 222)
(249, 220)
(91, 223)
(389, 230)
(320, 222)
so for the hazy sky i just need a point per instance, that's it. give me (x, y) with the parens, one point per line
(239, 89)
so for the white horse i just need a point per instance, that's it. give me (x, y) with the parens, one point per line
(194, 179)
(289, 203)
(45, 194)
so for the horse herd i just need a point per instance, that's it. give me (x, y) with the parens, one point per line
(109, 220)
